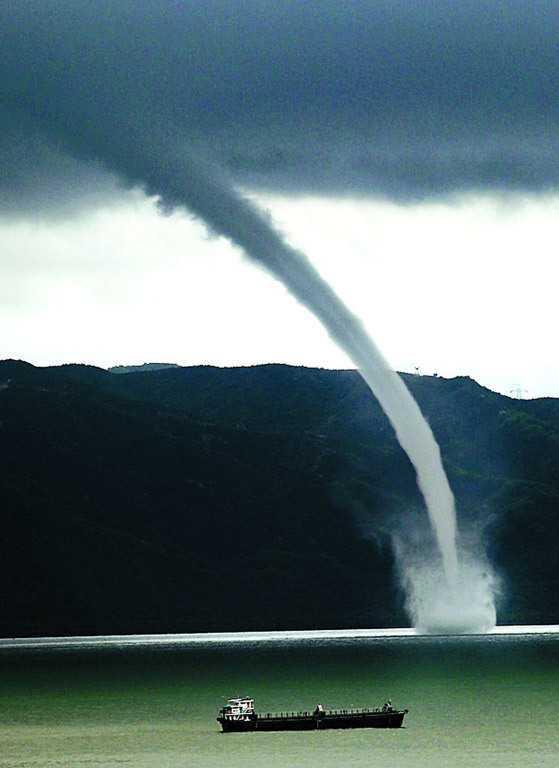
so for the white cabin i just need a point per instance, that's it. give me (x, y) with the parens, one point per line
(238, 707)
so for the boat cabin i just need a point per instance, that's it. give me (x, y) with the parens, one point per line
(238, 707)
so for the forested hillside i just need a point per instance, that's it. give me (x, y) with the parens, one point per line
(194, 499)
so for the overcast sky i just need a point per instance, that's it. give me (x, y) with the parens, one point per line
(411, 150)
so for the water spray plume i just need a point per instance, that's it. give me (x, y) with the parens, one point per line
(435, 604)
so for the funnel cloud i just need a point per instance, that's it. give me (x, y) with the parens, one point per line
(182, 180)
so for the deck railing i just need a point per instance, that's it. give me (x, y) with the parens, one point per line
(286, 715)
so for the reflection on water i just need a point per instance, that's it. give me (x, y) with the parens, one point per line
(473, 701)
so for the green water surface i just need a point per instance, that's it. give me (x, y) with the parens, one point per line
(487, 701)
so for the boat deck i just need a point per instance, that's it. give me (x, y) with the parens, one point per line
(310, 721)
(326, 713)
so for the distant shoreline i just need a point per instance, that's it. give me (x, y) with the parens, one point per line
(257, 637)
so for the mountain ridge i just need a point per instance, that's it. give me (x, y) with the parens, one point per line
(131, 498)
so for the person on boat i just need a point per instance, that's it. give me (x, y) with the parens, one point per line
(387, 707)
(319, 711)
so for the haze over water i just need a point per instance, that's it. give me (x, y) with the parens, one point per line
(474, 701)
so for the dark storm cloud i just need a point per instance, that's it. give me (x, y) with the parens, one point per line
(402, 99)
(38, 177)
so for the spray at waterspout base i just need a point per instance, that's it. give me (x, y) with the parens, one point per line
(439, 605)
(463, 605)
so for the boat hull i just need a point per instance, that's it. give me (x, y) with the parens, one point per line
(313, 723)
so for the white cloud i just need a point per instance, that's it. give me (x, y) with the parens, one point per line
(468, 288)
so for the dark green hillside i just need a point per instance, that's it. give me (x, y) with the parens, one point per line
(192, 499)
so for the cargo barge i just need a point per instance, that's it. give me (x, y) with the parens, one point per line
(239, 716)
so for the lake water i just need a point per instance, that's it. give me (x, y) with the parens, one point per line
(474, 701)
